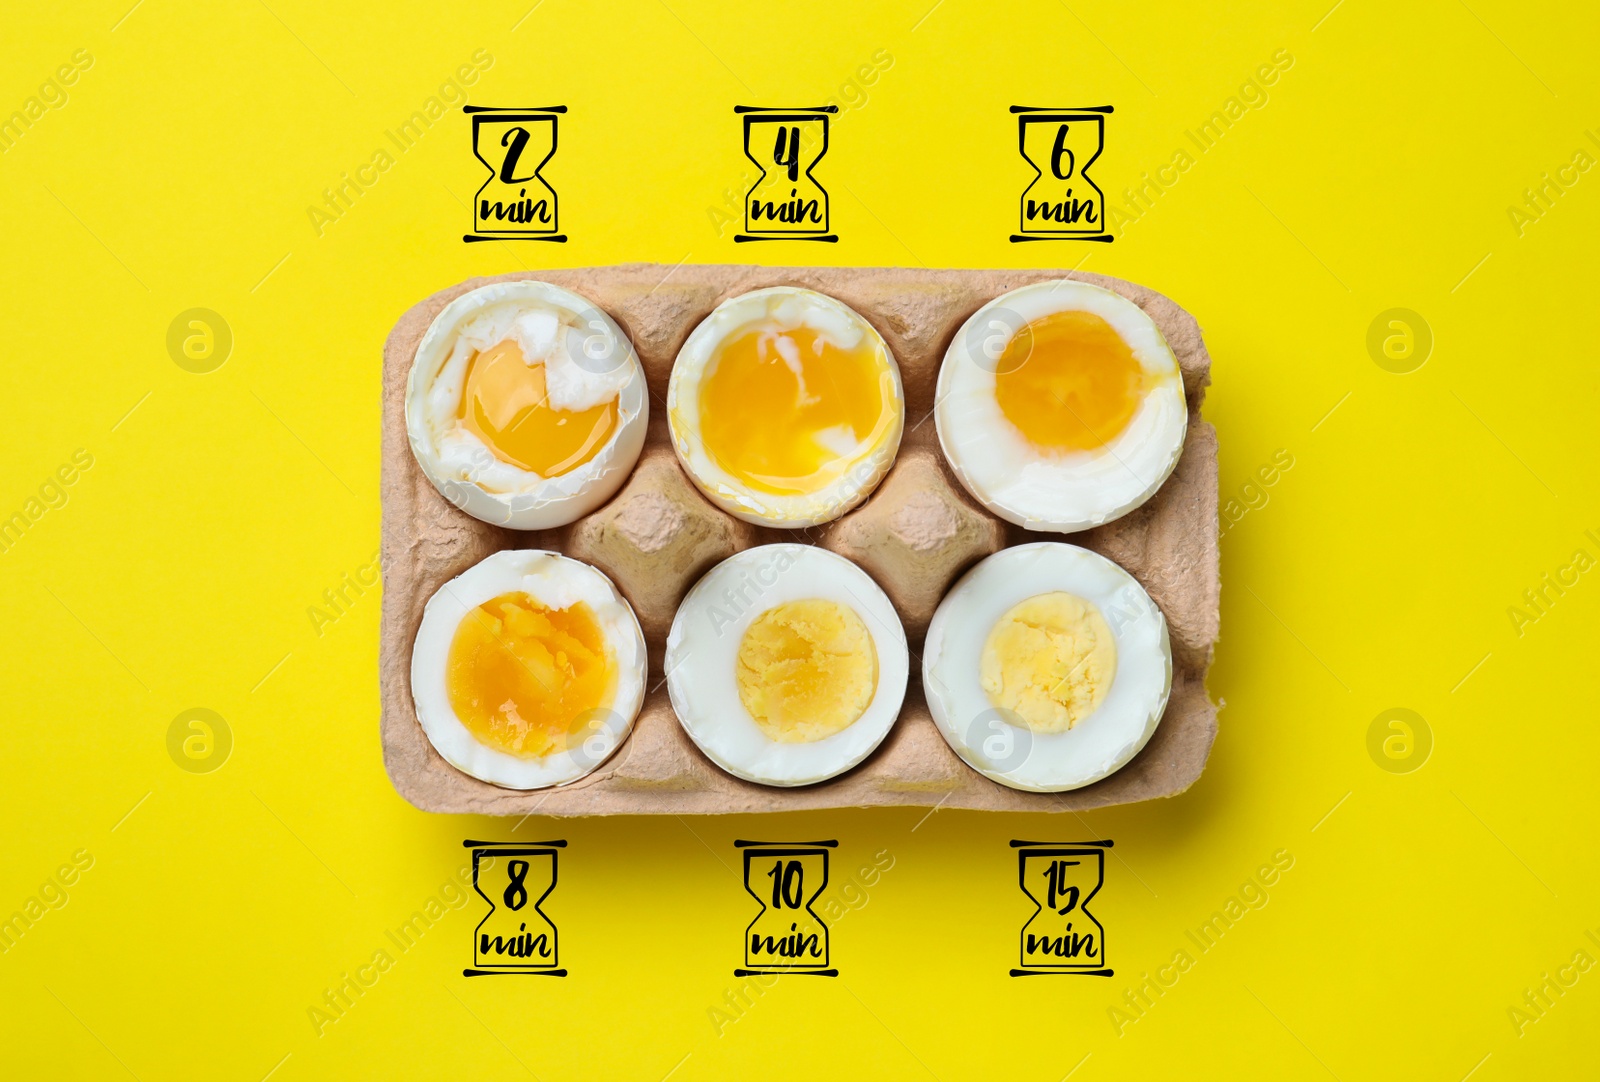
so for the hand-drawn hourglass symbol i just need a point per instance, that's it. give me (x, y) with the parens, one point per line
(515, 203)
(1061, 935)
(787, 936)
(1061, 202)
(515, 936)
(786, 202)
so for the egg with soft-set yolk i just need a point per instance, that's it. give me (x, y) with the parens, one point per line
(1060, 406)
(786, 664)
(528, 669)
(526, 405)
(785, 407)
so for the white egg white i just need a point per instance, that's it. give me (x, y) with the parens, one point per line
(703, 647)
(588, 360)
(1099, 744)
(778, 308)
(556, 582)
(1057, 492)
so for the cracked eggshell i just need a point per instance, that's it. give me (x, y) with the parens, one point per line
(588, 360)
(1059, 493)
(780, 307)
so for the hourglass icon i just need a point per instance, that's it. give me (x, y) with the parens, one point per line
(787, 936)
(515, 203)
(785, 202)
(1061, 935)
(515, 936)
(1061, 202)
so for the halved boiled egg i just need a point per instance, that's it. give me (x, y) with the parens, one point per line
(786, 664)
(528, 669)
(1047, 667)
(526, 406)
(1060, 406)
(786, 407)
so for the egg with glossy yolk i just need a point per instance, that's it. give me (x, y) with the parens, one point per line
(1060, 406)
(785, 407)
(526, 405)
(528, 669)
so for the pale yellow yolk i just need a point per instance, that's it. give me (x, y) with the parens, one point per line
(787, 413)
(806, 670)
(1049, 661)
(528, 680)
(1069, 382)
(505, 405)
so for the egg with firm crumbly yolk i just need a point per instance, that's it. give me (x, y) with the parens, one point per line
(1047, 667)
(806, 669)
(785, 407)
(1060, 406)
(786, 664)
(528, 669)
(1049, 661)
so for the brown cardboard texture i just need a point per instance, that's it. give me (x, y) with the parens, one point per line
(915, 535)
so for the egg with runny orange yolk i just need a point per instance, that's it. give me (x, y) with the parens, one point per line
(526, 405)
(785, 407)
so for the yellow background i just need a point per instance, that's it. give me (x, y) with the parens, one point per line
(1377, 174)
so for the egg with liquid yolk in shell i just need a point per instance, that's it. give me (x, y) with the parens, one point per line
(786, 664)
(528, 669)
(526, 405)
(785, 407)
(1060, 406)
(1047, 667)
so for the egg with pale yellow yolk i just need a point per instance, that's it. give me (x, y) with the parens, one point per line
(1047, 667)
(528, 669)
(1060, 406)
(526, 405)
(785, 407)
(786, 664)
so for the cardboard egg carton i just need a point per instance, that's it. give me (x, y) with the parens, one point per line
(915, 535)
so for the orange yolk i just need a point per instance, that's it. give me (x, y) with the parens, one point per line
(787, 413)
(1069, 382)
(528, 680)
(505, 405)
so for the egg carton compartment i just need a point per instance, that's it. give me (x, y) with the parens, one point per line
(915, 535)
